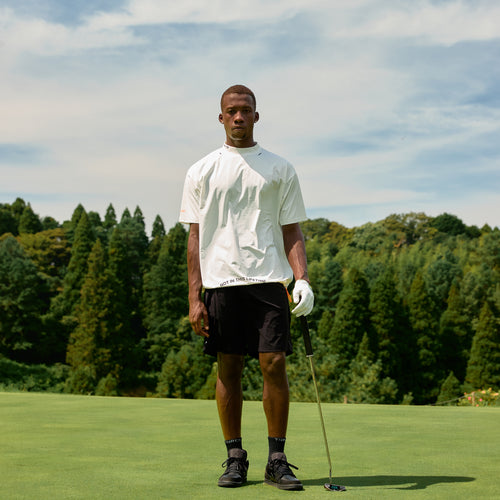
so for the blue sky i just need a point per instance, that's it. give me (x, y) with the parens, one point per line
(382, 106)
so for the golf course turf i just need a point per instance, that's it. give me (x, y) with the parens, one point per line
(83, 447)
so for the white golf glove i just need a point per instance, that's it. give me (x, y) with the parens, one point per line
(303, 296)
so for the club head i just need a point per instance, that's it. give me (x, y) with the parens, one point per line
(334, 487)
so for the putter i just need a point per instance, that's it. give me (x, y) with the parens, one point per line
(309, 354)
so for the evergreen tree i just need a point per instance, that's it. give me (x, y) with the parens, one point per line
(385, 316)
(127, 254)
(184, 373)
(125, 215)
(426, 328)
(94, 220)
(158, 228)
(450, 390)
(29, 221)
(483, 369)
(328, 288)
(17, 209)
(97, 344)
(110, 218)
(165, 296)
(158, 234)
(63, 306)
(455, 331)
(366, 384)
(139, 217)
(71, 226)
(351, 318)
(439, 277)
(22, 303)
(8, 223)
(450, 224)
(49, 223)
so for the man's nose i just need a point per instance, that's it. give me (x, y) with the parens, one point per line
(238, 117)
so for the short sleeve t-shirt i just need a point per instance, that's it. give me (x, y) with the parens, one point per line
(240, 197)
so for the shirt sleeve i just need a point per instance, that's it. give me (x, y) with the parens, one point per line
(190, 205)
(292, 205)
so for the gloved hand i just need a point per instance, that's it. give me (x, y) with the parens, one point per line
(303, 296)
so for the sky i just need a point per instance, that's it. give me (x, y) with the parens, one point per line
(382, 106)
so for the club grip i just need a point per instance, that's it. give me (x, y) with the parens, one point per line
(306, 335)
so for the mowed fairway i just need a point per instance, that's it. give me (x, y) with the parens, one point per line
(77, 447)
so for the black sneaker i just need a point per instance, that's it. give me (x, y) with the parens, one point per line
(236, 469)
(279, 474)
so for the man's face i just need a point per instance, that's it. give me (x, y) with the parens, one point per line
(238, 116)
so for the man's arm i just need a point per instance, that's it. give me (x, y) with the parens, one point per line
(198, 315)
(295, 250)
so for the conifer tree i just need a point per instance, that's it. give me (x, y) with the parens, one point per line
(158, 228)
(125, 215)
(366, 383)
(22, 303)
(351, 318)
(184, 373)
(29, 221)
(71, 226)
(450, 390)
(17, 209)
(439, 277)
(97, 344)
(328, 288)
(165, 296)
(127, 254)
(455, 331)
(139, 217)
(158, 234)
(63, 306)
(110, 218)
(385, 316)
(426, 329)
(483, 368)
(8, 223)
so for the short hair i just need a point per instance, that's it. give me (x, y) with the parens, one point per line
(238, 89)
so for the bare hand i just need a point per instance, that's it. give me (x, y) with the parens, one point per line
(198, 317)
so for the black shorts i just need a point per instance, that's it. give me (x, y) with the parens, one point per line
(248, 319)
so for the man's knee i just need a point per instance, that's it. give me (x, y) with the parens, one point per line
(273, 364)
(229, 366)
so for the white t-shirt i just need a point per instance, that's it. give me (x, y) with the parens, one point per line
(240, 197)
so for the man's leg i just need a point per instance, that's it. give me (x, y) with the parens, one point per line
(276, 401)
(276, 396)
(229, 396)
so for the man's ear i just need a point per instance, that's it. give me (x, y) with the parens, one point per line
(220, 118)
(256, 116)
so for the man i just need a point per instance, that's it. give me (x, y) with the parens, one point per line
(245, 246)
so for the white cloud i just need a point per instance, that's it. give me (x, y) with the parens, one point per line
(445, 23)
(121, 106)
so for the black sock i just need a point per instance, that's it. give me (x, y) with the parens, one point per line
(276, 445)
(233, 443)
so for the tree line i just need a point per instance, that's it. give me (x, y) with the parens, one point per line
(407, 309)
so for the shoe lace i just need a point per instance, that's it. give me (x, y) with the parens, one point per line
(282, 467)
(234, 464)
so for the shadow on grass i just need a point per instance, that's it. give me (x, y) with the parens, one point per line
(414, 482)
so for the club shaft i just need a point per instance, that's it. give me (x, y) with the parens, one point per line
(309, 354)
(311, 363)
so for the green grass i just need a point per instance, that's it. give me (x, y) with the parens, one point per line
(77, 447)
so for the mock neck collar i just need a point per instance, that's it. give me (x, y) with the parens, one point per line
(241, 151)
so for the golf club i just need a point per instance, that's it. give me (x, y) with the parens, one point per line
(309, 354)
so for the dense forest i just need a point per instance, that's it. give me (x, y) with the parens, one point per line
(407, 309)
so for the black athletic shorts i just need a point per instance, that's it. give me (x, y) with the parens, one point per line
(248, 319)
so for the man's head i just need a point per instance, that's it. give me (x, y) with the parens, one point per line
(238, 115)
(238, 89)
